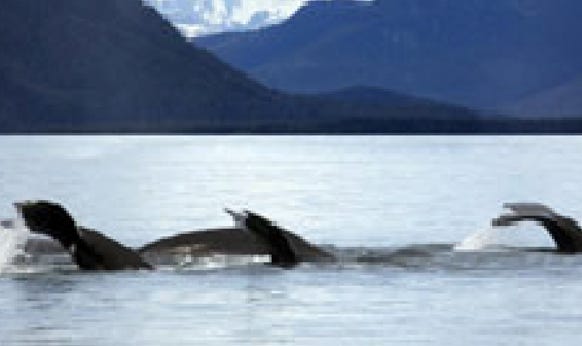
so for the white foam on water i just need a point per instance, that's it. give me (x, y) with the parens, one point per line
(12, 242)
(481, 240)
(221, 261)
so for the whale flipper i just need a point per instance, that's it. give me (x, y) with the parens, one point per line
(565, 231)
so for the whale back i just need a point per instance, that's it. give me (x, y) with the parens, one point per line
(235, 241)
(229, 241)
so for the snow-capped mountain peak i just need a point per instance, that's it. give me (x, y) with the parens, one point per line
(202, 17)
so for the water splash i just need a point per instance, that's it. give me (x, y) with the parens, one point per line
(196, 261)
(13, 237)
(220, 261)
(481, 240)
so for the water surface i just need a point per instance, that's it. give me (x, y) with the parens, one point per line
(377, 194)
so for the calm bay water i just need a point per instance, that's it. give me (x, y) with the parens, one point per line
(356, 192)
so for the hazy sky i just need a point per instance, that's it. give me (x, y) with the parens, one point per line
(196, 17)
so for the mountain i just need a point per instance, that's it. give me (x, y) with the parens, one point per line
(97, 63)
(375, 96)
(483, 54)
(370, 97)
(116, 65)
(563, 100)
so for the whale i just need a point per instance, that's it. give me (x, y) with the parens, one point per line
(252, 234)
(564, 230)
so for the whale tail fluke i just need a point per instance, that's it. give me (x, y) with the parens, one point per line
(280, 248)
(524, 212)
(564, 230)
(90, 250)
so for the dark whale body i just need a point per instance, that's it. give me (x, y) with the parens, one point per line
(565, 231)
(236, 241)
(92, 250)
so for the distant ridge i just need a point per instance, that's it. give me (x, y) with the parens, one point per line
(482, 54)
(563, 100)
(377, 96)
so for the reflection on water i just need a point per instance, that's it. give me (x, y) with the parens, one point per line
(391, 208)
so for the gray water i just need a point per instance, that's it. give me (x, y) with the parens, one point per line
(410, 199)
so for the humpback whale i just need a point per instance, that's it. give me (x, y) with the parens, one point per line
(91, 250)
(253, 234)
(565, 231)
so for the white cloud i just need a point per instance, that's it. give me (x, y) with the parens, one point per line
(200, 17)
